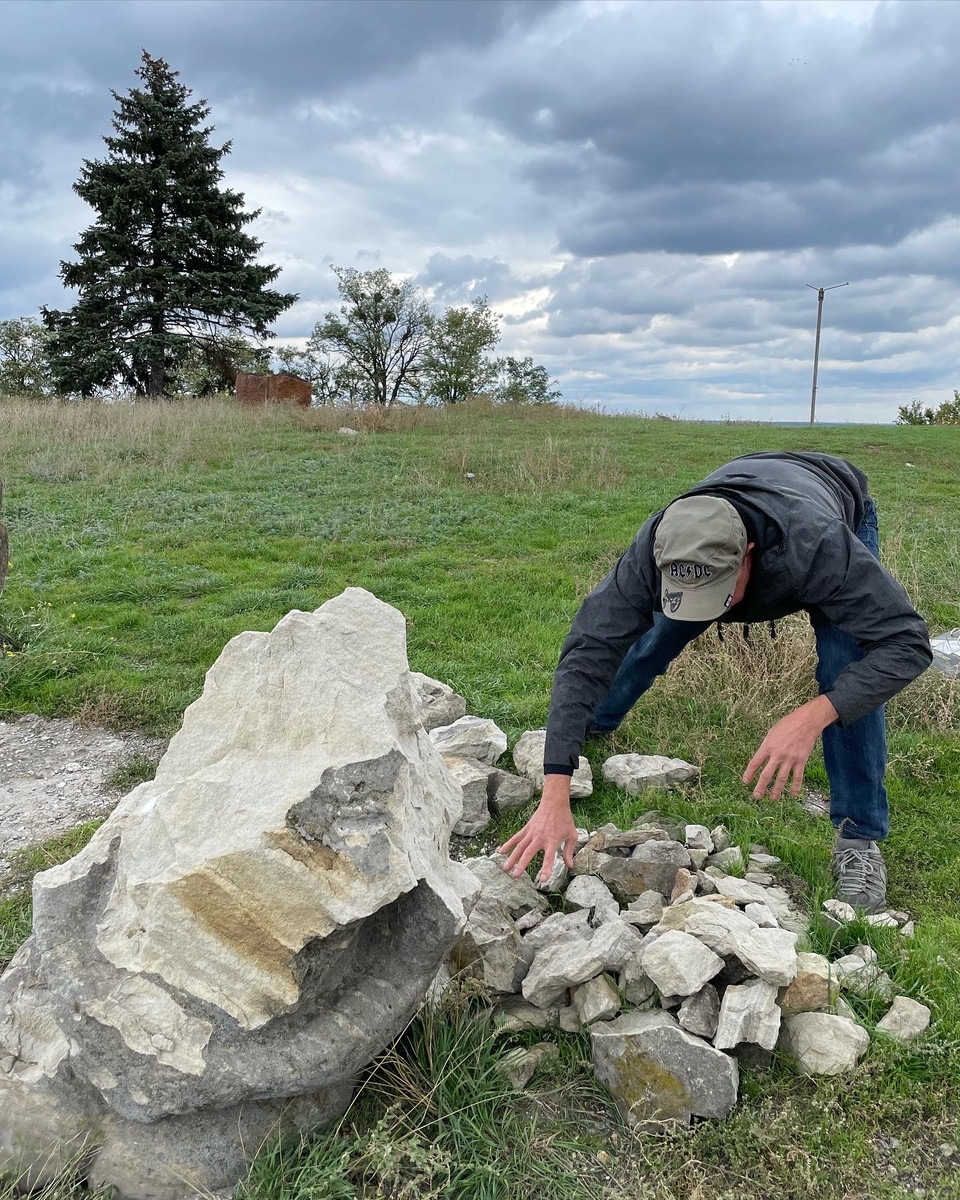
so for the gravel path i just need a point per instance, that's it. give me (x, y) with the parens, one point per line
(52, 777)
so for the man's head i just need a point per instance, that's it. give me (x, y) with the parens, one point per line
(702, 553)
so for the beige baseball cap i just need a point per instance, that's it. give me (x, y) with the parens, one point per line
(698, 548)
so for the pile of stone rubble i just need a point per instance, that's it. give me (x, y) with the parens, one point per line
(677, 966)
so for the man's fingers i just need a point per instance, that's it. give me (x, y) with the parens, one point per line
(515, 855)
(526, 858)
(510, 843)
(763, 782)
(797, 780)
(548, 858)
(569, 849)
(754, 765)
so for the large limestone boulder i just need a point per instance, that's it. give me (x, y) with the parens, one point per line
(252, 925)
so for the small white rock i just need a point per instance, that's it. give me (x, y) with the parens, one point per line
(906, 1019)
(843, 912)
(761, 915)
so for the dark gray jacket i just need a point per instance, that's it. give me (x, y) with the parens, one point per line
(814, 503)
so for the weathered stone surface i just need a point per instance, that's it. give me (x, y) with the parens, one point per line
(515, 1013)
(775, 898)
(636, 773)
(763, 878)
(589, 892)
(596, 1000)
(518, 896)
(559, 966)
(684, 886)
(906, 1020)
(471, 775)
(559, 927)
(881, 920)
(437, 704)
(823, 1044)
(699, 1014)
(635, 984)
(770, 954)
(656, 1071)
(748, 1013)
(697, 837)
(520, 1065)
(558, 878)
(658, 863)
(721, 837)
(647, 909)
(588, 862)
(506, 792)
(471, 737)
(622, 942)
(261, 918)
(528, 758)
(676, 915)
(627, 877)
(862, 978)
(726, 860)
(760, 914)
(488, 949)
(840, 911)
(679, 964)
(759, 860)
(813, 988)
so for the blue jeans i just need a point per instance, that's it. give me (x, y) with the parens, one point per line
(855, 755)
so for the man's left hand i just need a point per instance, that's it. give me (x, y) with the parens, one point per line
(786, 748)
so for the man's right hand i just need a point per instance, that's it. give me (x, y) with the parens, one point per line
(551, 828)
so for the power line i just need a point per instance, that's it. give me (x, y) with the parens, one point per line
(816, 349)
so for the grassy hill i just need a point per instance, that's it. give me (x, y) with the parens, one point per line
(143, 538)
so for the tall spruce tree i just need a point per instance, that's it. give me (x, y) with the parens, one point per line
(167, 263)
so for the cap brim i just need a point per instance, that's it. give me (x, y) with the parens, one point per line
(704, 603)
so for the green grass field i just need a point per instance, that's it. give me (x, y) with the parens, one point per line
(143, 538)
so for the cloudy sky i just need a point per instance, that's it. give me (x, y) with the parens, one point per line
(642, 189)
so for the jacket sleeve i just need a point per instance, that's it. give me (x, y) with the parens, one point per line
(617, 612)
(860, 597)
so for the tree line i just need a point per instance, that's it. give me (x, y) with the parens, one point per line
(172, 299)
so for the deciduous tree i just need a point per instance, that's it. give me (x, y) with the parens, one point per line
(456, 363)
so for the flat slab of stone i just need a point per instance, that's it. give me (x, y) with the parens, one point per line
(636, 773)
(518, 896)
(507, 792)
(471, 776)
(657, 1072)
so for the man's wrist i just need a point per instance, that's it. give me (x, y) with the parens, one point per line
(822, 712)
(556, 790)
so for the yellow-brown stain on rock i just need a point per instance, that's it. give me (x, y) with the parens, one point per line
(646, 1091)
(233, 924)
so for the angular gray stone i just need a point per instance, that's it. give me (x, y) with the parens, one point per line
(471, 737)
(679, 964)
(559, 927)
(256, 922)
(588, 862)
(840, 911)
(488, 949)
(518, 896)
(748, 1013)
(589, 892)
(558, 878)
(763, 878)
(700, 1013)
(655, 1071)
(520, 1065)
(514, 1013)
(906, 1020)
(760, 914)
(636, 773)
(658, 865)
(823, 1044)
(622, 939)
(635, 984)
(862, 978)
(647, 909)
(721, 837)
(528, 759)
(471, 775)
(697, 837)
(725, 860)
(437, 704)
(508, 793)
(770, 954)
(625, 876)
(560, 966)
(596, 1000)
(814, 987)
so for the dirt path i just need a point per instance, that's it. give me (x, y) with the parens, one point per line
(52, 775)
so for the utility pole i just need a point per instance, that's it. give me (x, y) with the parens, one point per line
(816, 349)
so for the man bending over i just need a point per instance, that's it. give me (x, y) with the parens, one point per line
(764, 536)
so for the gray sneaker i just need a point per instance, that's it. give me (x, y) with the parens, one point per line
(861, 877)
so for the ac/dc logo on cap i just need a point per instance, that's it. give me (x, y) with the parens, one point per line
(690, 571)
